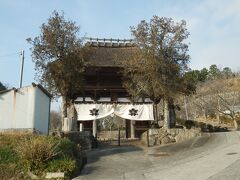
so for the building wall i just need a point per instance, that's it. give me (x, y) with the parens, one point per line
(24, 109)
(42, 114)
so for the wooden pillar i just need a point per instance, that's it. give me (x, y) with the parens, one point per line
(94, 128)
(126, 129)
(132, 129)
(148, 138)
(80, 127)
(119, 136)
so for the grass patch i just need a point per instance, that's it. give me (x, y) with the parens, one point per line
(8, 156)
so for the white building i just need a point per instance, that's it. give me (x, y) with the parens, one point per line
(25, 109)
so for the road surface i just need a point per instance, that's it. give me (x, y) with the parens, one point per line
(214, 156)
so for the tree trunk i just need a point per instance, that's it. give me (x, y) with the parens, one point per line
(166, 123)
(72, 117)
(155, 112)
(218, 112)
(64, 112)
(172, 114)
(185, 105)
(235, 124)
(64, 107)
(205, 114)
(69, 115)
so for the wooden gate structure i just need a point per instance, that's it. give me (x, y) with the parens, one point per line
(103, 82)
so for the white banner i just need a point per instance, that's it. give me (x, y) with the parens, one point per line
(138, 112)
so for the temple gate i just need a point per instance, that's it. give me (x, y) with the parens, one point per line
(103, 93)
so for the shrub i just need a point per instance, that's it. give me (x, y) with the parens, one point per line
(202, 125)
(210, 127)
(35, 151)
(226, 120)
(212, 115)
(189, 124)
(40, 154)
(66, 147)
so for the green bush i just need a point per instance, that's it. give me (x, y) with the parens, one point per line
(67, 147)
(62, 164)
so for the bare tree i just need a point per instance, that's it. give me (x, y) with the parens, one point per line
(219, 96)
(55, 121)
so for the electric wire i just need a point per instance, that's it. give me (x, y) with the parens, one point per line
(9, 55)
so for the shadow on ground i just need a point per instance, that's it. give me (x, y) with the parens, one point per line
(109, 148)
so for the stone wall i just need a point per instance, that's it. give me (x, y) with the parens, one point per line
(108, 135)
(166, 136)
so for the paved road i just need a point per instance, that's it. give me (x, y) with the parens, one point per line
(213, 157)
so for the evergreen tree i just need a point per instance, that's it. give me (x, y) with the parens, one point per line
(2, 87)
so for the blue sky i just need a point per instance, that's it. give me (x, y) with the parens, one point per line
(214, 27)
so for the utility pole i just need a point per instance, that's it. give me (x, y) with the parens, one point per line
(22, 64)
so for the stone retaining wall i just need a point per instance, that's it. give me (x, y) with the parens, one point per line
(165, 136)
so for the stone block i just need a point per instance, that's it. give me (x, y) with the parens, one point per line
(51, 175)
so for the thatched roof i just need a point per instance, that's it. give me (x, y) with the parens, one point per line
(109, 54)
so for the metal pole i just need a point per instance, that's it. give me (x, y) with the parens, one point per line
(22, 64)
(118, 136)
(148, 138)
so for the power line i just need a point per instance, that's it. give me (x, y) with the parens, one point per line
(11, 54)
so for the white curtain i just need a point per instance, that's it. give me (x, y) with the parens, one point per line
(93, 111)
(139, 112)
